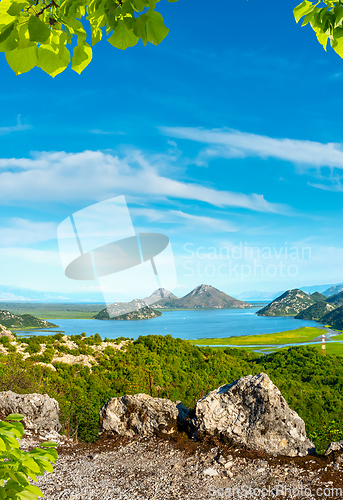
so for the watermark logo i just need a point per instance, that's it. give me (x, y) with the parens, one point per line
(99, 243)
(242, 262)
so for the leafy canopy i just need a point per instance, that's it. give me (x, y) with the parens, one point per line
(17, 467)
(326, 19)
(37, 32)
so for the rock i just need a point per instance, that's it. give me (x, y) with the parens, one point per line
(334, 447)
(141, 415)
(210, 472)
(252, 413)
(6, 333)
(221, 460)
(40, 411)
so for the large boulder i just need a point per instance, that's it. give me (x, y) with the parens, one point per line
(40, 411)
(141, 415)
(252, 413)
(334, 447)
(6, 333)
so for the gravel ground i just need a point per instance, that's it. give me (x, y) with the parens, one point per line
(161, 469)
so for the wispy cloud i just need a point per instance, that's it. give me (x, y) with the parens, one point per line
(98, 131)
(25, 232)
(94, 175)
(233, 143)
(190, 220)
(19, 127)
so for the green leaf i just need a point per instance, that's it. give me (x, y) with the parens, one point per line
(39, 31)
(15, 8)
(52, 444)
(11, 42)
(34, 489)
(301, 10)
(2, 445)
(337, 45)
(14, 416)
(26, 495)
(122, 37)
(157, 31)
(5, 32)
(53, 61)
(322, 39)
(140, 28)
(139, 5)
(31, 464)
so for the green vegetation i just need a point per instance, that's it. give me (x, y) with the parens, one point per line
(311, 383)
(10, 320)
(316, 311)
(325, 18)
(17, 467)
(142, 313)
(290, 303)
(53, 311)
(37, 32)
(299, 335)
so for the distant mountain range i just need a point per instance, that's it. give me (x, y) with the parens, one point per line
(19, 294)
(318, 307)
(202, 297)
(326, 290)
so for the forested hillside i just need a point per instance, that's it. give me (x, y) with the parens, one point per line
(312, 384)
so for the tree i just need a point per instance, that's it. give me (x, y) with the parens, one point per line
(37, 32)
(326, 19)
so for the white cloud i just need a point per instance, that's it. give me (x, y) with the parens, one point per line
(94, 176)
(178, 216)
(29, 255)
(233, 143)
(98, 131)
(25, 232)
(19, 127)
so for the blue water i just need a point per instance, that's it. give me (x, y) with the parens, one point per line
(185, 325)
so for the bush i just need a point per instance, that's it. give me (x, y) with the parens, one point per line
(5, 341)
(16, 466)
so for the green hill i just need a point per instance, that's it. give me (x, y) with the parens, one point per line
(336, 300)
(23, 321)
(334, 318)
(289, 303)
(316, 311)
(136, 309)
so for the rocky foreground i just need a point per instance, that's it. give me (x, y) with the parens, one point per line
(240, 441)
(166, 469)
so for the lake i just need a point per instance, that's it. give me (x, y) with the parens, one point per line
(185, 324)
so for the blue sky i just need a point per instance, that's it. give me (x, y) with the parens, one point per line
(227, 138)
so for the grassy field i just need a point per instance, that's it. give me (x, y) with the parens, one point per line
(272, 342)
(305, 334)
(53, 311)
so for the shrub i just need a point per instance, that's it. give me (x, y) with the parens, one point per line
(16, 466)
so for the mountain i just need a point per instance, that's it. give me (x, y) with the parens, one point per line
(204, 297)
(333, 290)
(336, 300)
(136, 309)
(316, 311)
(289, 303)
(159, 294)
(314, 288)
(334, 318)
(23, 321)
